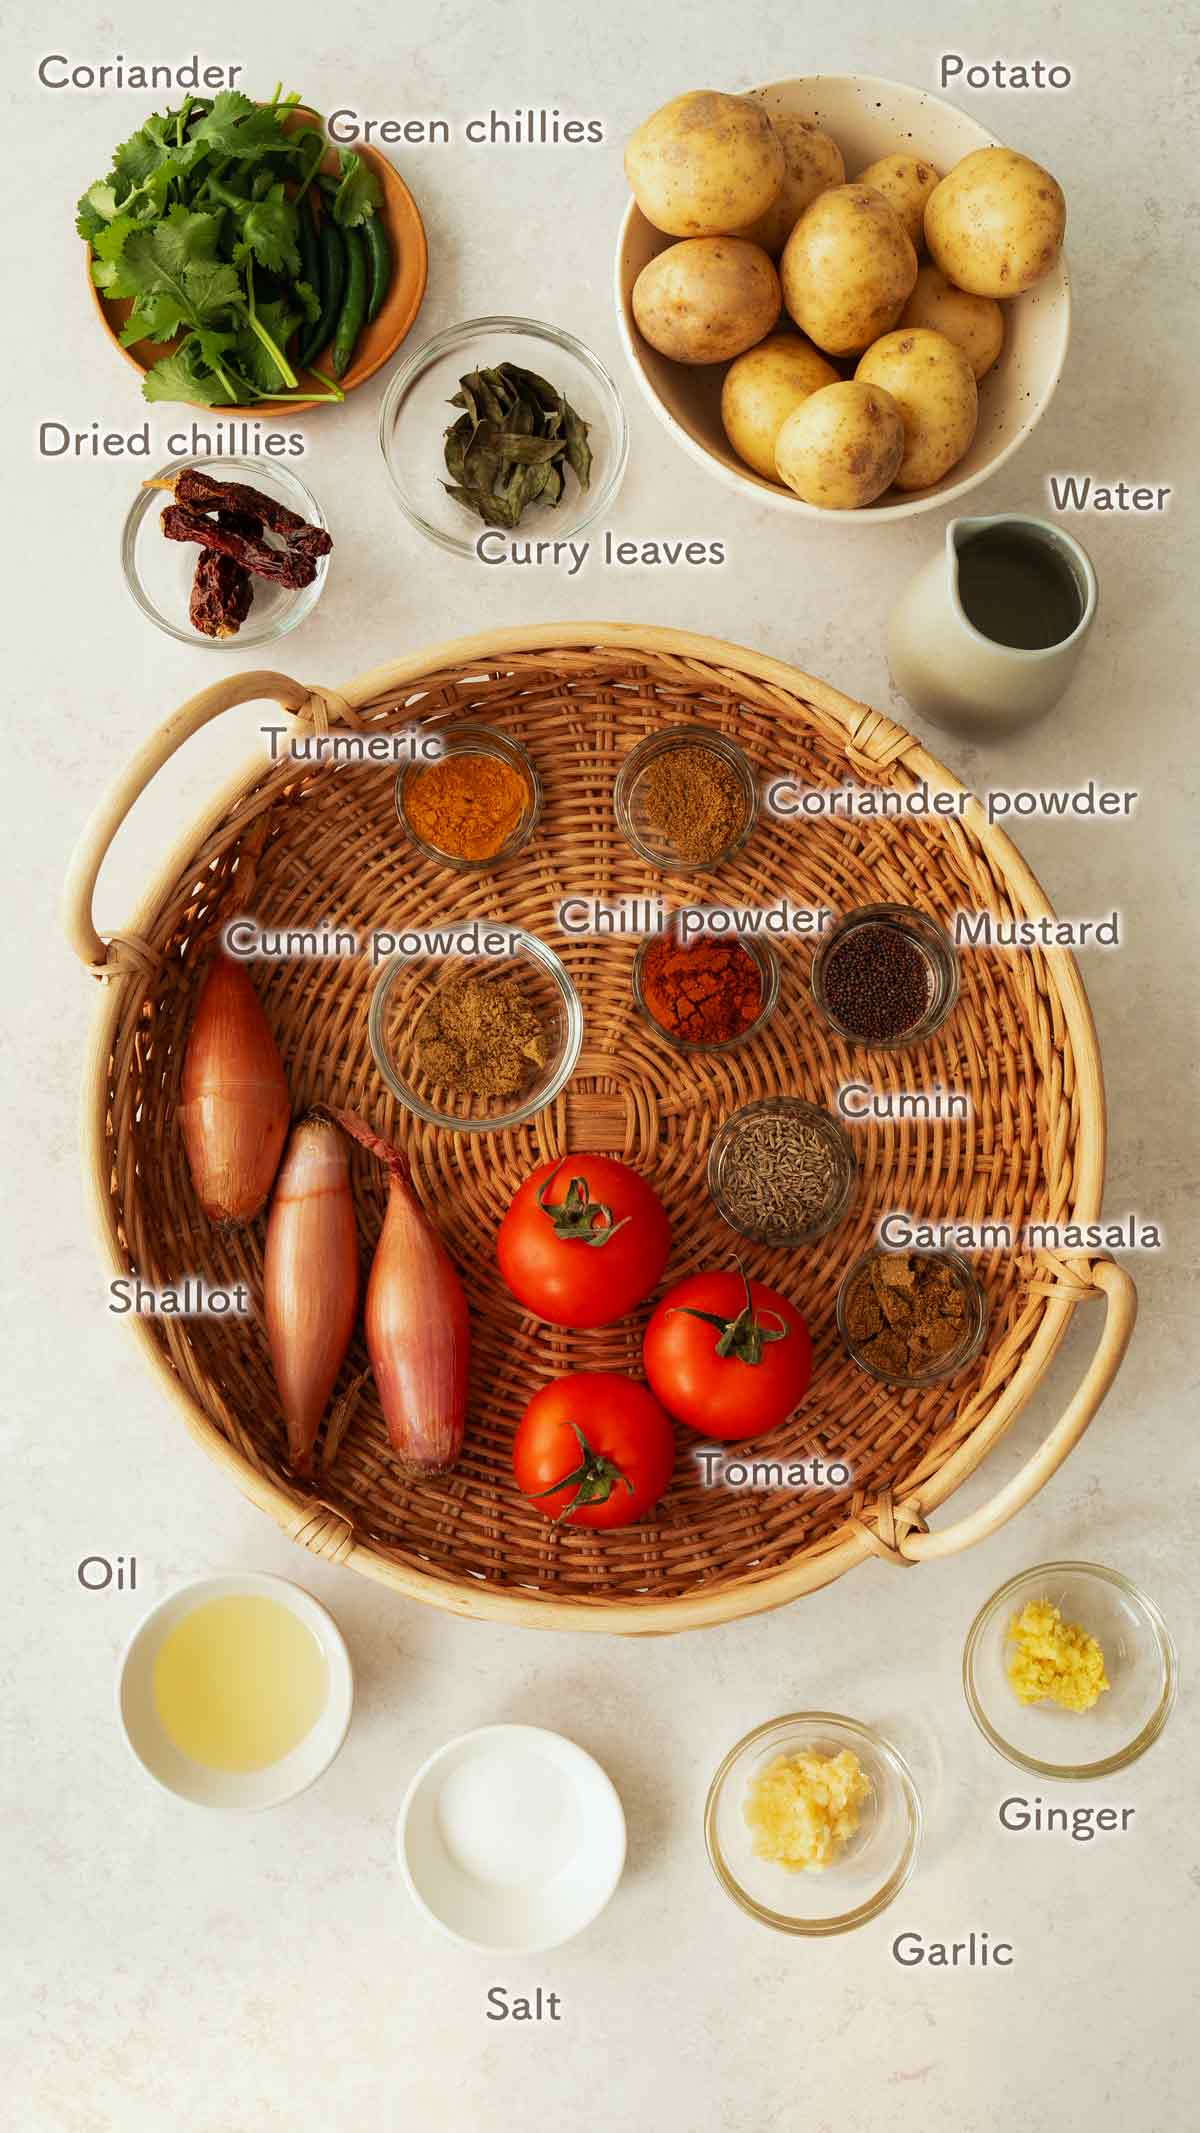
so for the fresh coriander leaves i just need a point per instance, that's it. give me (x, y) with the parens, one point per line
(175, 378)
(236, 127)
(358, 195)
(97, 209)
(173, 278)
(271, 228)
(195, 203)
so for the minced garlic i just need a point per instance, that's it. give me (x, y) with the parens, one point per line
(1053, 1660)
(804, 1808)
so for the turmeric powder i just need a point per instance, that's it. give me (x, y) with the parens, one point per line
(465, 805)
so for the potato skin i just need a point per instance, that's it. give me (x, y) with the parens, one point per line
(848, 269)
(995, 224)
(705, 164)
(761, 390)
(906, 183)
(706, 299)
(974, 323)
(814, 163)
(842, 446)
(933, 386)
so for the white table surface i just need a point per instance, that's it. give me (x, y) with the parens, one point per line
(168, 1969)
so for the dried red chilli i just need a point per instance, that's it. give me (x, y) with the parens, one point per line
(243, 522)
(222, 590)
(222, 593)
(312, 541)
(286, 566)
(192, 486)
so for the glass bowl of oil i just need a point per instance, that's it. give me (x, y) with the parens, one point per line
(236, 1691)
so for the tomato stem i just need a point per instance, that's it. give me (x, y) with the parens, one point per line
(578, 1219)
(745, 1336)
(595, 1477)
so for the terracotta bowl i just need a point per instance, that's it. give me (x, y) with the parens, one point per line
(377, 343)
(867, 118)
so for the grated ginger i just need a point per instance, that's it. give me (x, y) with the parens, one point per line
(802, 1809)
(1054, 1661)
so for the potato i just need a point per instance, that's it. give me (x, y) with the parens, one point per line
(906, 183)
(933, 386)
(995, 225)
(814, 163)
(706, 299)
(848, 269)
(974, 323)
(841, 447)
(762, 388)
(705, 164)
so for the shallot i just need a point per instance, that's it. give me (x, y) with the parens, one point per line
(418, 1330)
(310, 1279)
(235, 1109)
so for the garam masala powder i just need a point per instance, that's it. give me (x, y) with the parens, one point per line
(905, 1311)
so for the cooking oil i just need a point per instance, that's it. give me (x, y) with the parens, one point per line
(240, 1682)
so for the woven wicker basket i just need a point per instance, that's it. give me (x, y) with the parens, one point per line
(1021, 1040)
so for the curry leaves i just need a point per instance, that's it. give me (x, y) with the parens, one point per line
(509, 446)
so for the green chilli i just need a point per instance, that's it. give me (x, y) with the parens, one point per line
(354, 302)
(379, 252)
(331, 248)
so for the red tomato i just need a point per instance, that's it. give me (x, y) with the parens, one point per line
(729, 1357)
(594, 1449)
(584, 1242)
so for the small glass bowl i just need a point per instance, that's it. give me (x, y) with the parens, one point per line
(876, 1862)
(470, 739)
(767, 965)
(941, 959)
(836, 1139)
(1139, 1660)
(630, 811)
(410, 980)
(159, 572)
(415, 416)
(974, 1331)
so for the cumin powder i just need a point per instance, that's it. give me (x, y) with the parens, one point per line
(480, 1036)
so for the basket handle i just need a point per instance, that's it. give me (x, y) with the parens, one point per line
(1120, 1294)
(91, 850)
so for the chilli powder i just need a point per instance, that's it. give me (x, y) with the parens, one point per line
(704, 993)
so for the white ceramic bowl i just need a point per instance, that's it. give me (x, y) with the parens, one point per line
(511, 1838)
(206, 1787)
(867, 118)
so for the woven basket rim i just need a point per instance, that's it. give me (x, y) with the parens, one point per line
(323, 1528)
